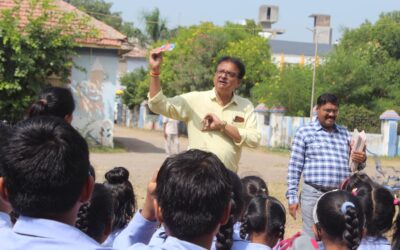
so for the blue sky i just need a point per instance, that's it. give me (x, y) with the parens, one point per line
(293, 14)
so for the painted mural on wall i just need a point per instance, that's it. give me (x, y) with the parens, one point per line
(94, 93)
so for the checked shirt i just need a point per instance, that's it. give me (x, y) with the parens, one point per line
(321, 156)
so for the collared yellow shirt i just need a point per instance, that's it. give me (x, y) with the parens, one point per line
(192, 107)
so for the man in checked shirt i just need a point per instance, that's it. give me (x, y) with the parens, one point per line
(321, 152)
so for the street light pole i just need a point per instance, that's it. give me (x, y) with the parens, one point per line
(314, 73)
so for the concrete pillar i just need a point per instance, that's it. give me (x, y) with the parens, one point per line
(262, 113)
(389, 122)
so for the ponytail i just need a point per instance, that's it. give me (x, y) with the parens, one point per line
(244, 228)
(82, 222)
(264, 214)
(351, 233)
(224, 236)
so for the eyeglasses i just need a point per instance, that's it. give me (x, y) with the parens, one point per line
(334, 111)
(230, 74)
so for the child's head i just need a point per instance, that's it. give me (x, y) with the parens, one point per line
(95, 217)
(117, 181)
(339, 219)
(252, 187)
(265, 217)
(376, 201)
(46, 170)
(224, 236)
(54, 101)
(193, 194)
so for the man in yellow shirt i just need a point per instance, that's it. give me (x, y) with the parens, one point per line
(217, 120)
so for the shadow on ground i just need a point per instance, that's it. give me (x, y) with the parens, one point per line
(138, 146)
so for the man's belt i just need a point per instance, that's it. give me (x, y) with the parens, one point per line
(320, 188)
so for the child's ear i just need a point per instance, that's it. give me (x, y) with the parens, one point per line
(158, 211)
(87, 190)
(317, 232)
(3, 189)
(226, 214)
(68, 118)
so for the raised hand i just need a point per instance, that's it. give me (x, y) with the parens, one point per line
(212, 122)
(155, 59)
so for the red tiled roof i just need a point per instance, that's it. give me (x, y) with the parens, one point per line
(107, 37)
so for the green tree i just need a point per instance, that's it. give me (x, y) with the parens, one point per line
(255, 53)
(136, 87)
(364, 69)
(30, 53)
(290, 88)
(191, 65)
(155, 26)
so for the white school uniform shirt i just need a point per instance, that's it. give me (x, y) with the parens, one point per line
(5, 220)
(171, 243)
(43, 234)
(139, 230)
(374, 243)
(246, 245)
(111, 237)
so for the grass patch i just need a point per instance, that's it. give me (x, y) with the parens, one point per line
(118, 148)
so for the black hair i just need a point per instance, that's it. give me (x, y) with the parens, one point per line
(264, 214)
(117, 181)
(377, 203)
(238, 63)
(46, 164)
(341, 217)
(224, 236)
(13, 216)
(92, 172)
(252, 187)
(5, 132)
(94, 216)
(54, 101)
(193, 191)
(327, 98)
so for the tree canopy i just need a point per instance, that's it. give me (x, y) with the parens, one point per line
(364, 69)
(30, 53)
(191, 65)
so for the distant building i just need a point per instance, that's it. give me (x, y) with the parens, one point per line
(290, 52)
(268, 15)
(94, 88)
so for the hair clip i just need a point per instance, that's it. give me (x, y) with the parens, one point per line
(345, 205)
(354, 192)
(263, 189)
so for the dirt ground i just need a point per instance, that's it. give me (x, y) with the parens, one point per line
(145, 153)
